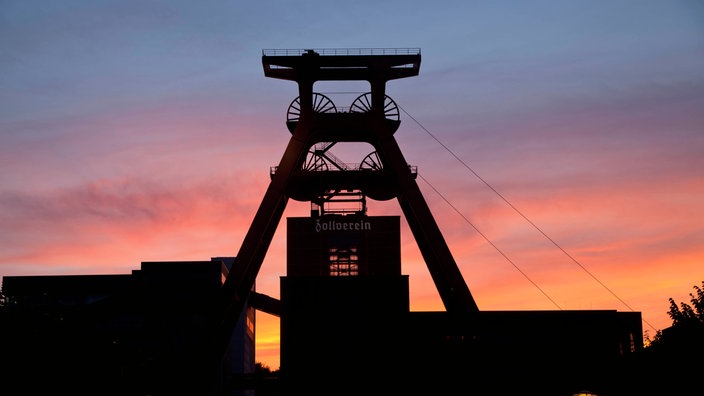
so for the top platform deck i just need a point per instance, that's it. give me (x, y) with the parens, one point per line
(342, 51)
(341, 63)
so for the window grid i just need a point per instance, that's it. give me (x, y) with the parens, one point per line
(343, 261)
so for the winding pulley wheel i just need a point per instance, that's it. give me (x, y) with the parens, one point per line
(315, 162)
(321, 104)
(363, 104)
(371, 161)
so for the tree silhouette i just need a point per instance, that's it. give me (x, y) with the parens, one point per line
(687, 328)
(688, 315)
(674, 355)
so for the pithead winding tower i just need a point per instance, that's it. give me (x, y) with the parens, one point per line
(304, 172)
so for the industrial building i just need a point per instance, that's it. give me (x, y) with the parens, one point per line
(123, 334)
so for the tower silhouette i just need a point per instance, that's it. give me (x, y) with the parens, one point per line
(345, 298)
(303, 173)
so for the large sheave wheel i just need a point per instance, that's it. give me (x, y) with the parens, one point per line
(363, 104)
(321, 104)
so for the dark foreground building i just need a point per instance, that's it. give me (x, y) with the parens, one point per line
(136, 334)
(346, 318)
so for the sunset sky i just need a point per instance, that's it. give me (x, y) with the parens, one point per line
(559, 144)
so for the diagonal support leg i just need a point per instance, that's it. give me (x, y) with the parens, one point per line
(446, 275)
(241, 278)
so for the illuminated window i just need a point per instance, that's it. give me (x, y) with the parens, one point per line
(343, 261)
(632, 342)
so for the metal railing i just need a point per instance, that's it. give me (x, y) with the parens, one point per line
(348, 167)
(341, 51)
